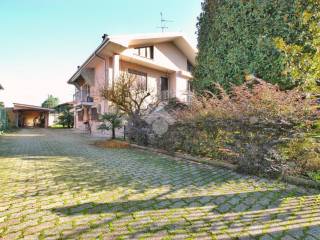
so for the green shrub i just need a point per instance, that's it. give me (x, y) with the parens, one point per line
(110, 121)
(302, 154)
(257, 126)
(314, 175)
(66, 118)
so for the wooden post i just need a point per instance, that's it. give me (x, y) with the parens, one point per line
(17, 118)
(46, 119)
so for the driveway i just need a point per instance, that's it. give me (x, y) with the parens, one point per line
(54, 184)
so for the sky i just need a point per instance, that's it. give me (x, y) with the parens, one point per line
(43, 41)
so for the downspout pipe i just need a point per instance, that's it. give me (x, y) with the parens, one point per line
(105, 68)
(105, 63)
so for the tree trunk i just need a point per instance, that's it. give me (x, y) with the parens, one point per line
(113, 133)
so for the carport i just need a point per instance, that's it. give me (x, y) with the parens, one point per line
(31, 116)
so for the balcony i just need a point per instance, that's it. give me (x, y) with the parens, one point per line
(83, 97)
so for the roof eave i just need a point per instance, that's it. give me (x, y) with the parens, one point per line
(27, 106)
(87, 61)
(192, 52)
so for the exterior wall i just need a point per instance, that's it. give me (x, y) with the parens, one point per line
(167, 54)
(181, 87)
(78, 124)
(99, 83)
(98, 101)
(153, 76)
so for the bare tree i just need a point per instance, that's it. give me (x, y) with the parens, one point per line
(129, 95)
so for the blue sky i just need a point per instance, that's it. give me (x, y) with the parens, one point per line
(42, 41)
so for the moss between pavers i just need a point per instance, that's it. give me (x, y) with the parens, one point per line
(132, 194)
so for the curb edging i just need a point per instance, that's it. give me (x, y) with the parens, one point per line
(301, 182)
(188, 157)
(181, 156)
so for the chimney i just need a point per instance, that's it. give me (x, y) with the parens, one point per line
(104, 36)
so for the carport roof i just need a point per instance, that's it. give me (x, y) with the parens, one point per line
(20, 106)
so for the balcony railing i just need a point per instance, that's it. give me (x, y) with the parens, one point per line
(82, 97)
(189, 98)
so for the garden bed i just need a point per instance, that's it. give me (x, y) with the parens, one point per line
(112, 143)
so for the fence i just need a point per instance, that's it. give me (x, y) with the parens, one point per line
(3, 119)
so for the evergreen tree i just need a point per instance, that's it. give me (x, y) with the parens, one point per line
(238, 38)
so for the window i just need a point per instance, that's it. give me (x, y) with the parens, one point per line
(189, 66)
(141, 79)
(146, 52)
(80, 116)
(94, 114)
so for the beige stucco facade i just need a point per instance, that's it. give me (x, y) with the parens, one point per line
(170, 57)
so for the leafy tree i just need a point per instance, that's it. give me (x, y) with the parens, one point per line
(50, 102)
(237, 38)
(66, 118)
(111, 121)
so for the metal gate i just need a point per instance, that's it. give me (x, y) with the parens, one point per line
(3, 119)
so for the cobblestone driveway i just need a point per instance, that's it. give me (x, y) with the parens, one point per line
(54, 185)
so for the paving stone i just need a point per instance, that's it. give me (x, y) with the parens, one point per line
(309, 237)
(288, 237)
(21, 226)
(224, 208)
(297, 233)
(234, 200)
(266, 237)
(314, 231)
(38, 228)
(241, 207)
(69, 189)
(12, 236)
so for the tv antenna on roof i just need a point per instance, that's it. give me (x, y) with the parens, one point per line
(163, 22)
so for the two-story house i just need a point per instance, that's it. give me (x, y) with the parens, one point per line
(161, 61)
